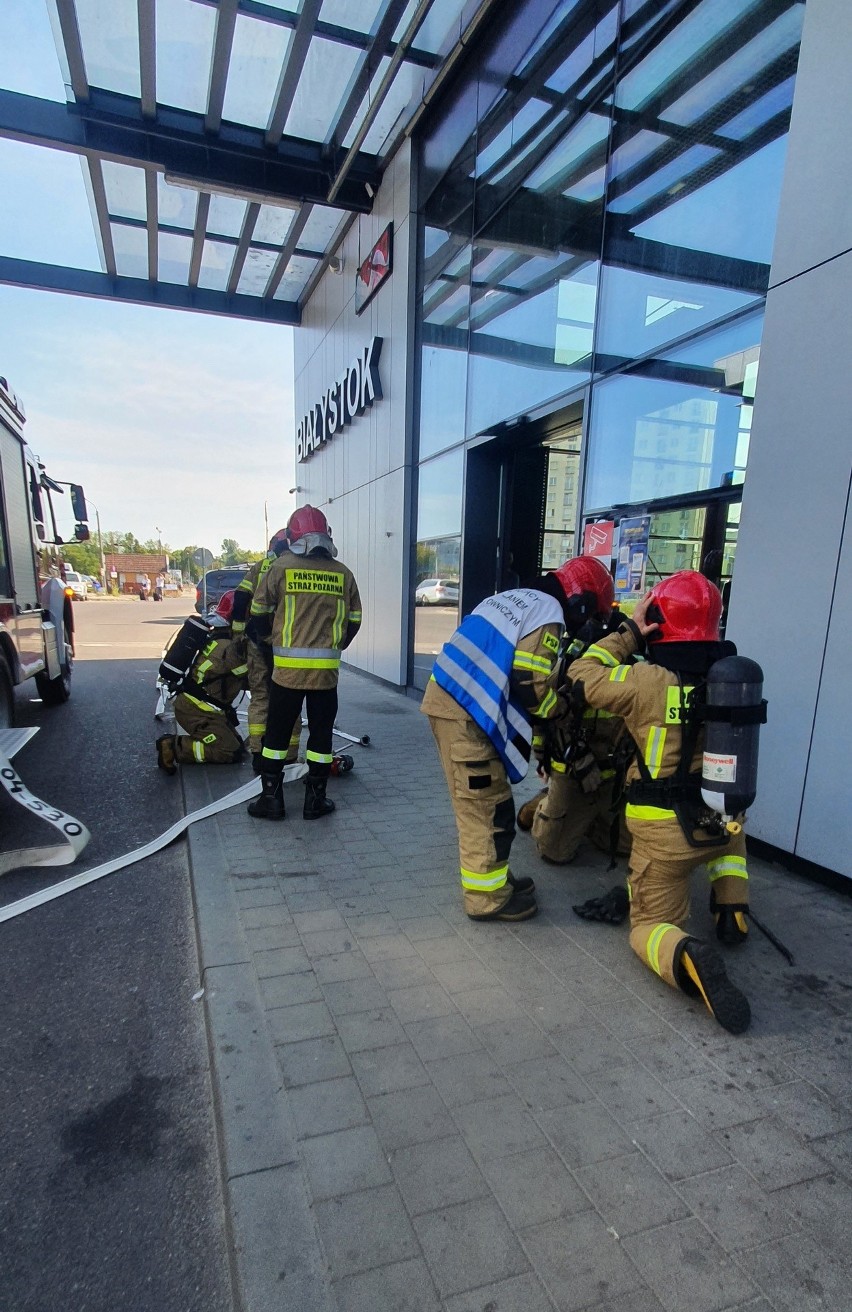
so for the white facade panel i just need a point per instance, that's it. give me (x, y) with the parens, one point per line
(359, 477)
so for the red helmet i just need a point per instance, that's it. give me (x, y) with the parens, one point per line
(587, 574)
(689, 607)
(279, 541)
(225, 609)
(305, 520)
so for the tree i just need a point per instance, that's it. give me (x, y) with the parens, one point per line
(84, 557)
(231, 553)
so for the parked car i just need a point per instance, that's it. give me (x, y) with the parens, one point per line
(78, 585)
(217, 582)
(437, 592)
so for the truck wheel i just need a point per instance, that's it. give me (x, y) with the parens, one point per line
(53, 692)
(7, 696)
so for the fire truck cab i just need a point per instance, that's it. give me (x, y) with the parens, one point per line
(36, 611)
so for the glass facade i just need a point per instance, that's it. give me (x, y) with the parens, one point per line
(598, 198)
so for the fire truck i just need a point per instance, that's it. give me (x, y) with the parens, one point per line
(36, 611)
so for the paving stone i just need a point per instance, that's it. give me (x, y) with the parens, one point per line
(517, 1294)
(369, 1029)
(410, 1116)
(444, 1036)
(372, 926)
(327, 1106)
(402, 972)
(679, 1147)
(631, 1093)
(347, 996)
(421, 1002)
(463, 976)
(686, 1268)
(735, 1208)
(388, 1070)
(386, 947)
(468, 1245)
(589, 1048)
(580, 1262)
(548, 1082)
(262, 917)
(281, 961)
(308, 901)
(513, 1042)
(312, 1060)
(584, 1134)
(670, 1057)
(340, 966)
(316, 921)
(328, 942)
(642, 1300)
(773, 1153)
(498, 1127)
(364, 1230)
(288, 990)
(449, 948)
(534, 1187)
(258, 897)
(822, 1206)
(806, 1110)
(345, 1162)
(468, 1077)
(716, 1101)
(436, 1174)
(405, 1287)
(308, 1020)
(484, 1005)
(631, 1194)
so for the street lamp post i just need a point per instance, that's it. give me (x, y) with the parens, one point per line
(91, 503)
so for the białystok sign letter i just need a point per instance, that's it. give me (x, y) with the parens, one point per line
(355, 389)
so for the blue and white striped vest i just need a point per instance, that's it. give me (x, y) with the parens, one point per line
(475, 668)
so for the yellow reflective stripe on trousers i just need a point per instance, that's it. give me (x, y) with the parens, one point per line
(486, 883)
(203, 706)
(271, 755)
(525, 660)
(654, 750)
(321, 758)
(198, 752)
(619, 674)
(597, 653)
(256, 727)
(653, 949)
(727, 865)
(633, 812)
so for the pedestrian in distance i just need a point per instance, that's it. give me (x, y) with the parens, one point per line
(204, 704)
(496, 678)
(308, 606)
(676, 627)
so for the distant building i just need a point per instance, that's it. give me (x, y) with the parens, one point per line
(130, 571)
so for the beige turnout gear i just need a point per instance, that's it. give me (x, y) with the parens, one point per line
(566, 813)
(315, 610)
(477, 779)
(259, 675)
(203, 707)
(649, 698)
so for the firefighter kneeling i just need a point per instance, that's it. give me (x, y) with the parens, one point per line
(666, 702)
(204, 701)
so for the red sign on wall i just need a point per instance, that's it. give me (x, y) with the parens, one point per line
(597, 540)
(375, 270)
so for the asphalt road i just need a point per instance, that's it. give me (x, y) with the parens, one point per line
(110, 1195)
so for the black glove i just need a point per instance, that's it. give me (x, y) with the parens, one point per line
(611, 909)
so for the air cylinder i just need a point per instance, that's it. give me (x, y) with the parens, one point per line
(735, 711)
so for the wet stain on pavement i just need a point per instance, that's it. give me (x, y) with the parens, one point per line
(126, 1130)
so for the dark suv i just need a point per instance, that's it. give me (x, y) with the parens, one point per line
(217, 582)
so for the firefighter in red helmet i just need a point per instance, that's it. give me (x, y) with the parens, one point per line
(307, 606)
(676, 627)
(204, 702)
(493, 681)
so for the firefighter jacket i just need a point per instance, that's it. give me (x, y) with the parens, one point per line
(217, 674)
(246, 590)
(500, 668)
(315, 611)
(649, 698)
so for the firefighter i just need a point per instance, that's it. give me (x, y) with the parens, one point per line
(498, 673)
(676, 626)
(307, 604)
(204, 703)
(259, 657)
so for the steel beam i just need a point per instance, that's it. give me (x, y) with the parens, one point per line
(242, 250)
(69, 47)
(294, 62)
(220, 62)
(363, 76)
(147, 57)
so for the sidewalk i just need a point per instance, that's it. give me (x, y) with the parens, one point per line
(417, 1112)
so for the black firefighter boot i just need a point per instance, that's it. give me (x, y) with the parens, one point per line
(270, 804)
(700, 972)
(316, 803)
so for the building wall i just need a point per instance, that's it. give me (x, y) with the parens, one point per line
(361, 477)
(793, 578)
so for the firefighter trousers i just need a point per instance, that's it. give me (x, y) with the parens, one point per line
(209, 739)
(484, 808)
(566, 815)
(284, 721)
(259, 680)
(661, 863)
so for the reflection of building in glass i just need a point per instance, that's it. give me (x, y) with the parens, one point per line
(439, 557)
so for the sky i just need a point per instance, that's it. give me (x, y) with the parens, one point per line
(178, 425)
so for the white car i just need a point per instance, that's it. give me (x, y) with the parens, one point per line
(437, 592)
(78, 585)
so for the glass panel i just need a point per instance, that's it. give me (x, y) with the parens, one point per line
(131, 250)
(273, 224)
(175, 253)
(216, 262)
(44, 207)
(256, 61)
(675, 541)
(293, 283)
(406, 88)
(436, 577)
(256, 271)
(322, 224)
(125, 190)
(226, 216)
(109, 32)
(185, 33)
(561, 502)
(776, 101)
(28, 60)
(443, 356)
(176, 205)
(359, 15)
(651, 438)
(440, 23)
(323, 80)
(492, 148)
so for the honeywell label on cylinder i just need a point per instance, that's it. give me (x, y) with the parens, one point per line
(721, 768)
